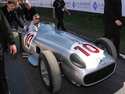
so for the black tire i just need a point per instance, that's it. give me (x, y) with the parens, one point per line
(50, 71)
(16, 39)
(107, 45)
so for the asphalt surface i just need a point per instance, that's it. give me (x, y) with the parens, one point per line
(23, 78)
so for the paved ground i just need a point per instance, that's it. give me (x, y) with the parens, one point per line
(23, 78)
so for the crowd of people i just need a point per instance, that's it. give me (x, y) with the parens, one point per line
(12, 16)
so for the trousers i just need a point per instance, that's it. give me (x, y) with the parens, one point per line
(112, 31)
(60, 21)
(3, 80)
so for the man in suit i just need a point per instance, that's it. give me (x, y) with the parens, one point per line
(5, 33)
(113, 21)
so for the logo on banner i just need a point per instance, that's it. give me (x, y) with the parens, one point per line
(73, 4)
(81, 4)
(98, 5)
(95, 6)
(41, 3)
(51, 4)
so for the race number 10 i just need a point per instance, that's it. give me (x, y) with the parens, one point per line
(88, 47)
(28, 39)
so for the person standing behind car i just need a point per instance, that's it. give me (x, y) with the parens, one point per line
(29, 12)
(113, 21)
(20, 14)
(5, 33)
(19, 11)
(10, 13)
(58, 11)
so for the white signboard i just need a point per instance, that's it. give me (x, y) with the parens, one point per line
(123, 7)
(94, 6)
(41, 3)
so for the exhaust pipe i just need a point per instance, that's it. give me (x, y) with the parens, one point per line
(25, 55)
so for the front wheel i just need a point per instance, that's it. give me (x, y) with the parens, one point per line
(107, 45)
(50, 71)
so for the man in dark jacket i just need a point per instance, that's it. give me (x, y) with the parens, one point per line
(29, 12)
(10, 13)
(113, 16)
(5, 33)
(20, 14)
(19, 10)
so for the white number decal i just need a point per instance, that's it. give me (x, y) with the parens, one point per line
(28, 39)
(88, 47)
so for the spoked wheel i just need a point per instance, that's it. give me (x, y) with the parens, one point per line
(107, 45)
(50, 71)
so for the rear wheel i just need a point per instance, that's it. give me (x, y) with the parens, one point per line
(50, 71)
(107, 45)
(16, 39)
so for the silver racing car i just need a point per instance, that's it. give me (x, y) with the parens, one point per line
(58, 53)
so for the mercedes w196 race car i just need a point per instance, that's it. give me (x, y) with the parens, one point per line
(57, 53)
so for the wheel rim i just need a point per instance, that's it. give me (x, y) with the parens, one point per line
(103, 48)
(44, 73)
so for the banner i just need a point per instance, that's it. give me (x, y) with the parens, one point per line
(123, 8)
(93, 6)
(41, 3)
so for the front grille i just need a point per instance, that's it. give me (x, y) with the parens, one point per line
(98, 75)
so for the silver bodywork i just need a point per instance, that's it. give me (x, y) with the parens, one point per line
(99, 64)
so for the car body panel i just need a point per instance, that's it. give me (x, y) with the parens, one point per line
(62, 45)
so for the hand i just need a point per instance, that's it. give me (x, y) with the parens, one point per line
(13, 49)
(18, 27)
(25, 22)
(69, 14)
(118, 22)
(25, 29)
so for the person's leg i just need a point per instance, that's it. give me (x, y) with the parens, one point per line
(108, 30)
(62, 26)
(60, 22)
(3, 80)
(116, 38)
(1, 69)
(3, 84)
